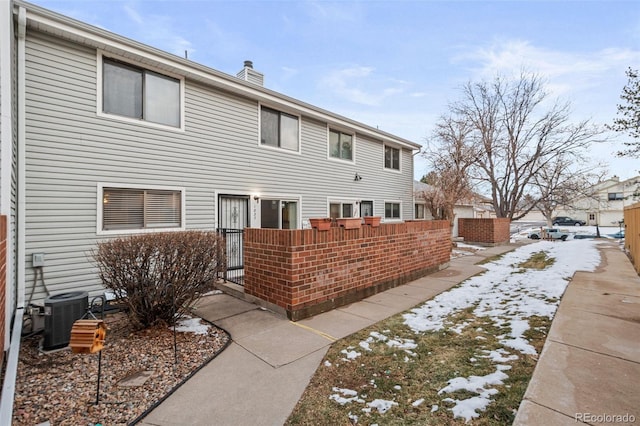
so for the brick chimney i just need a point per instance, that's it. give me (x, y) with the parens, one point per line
(249, 74)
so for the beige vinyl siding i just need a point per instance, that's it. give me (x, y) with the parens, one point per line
(70, 149)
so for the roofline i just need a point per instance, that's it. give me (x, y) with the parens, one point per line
(82, 33)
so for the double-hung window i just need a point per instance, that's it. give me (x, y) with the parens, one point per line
(391, 158)
(139, 209)
(340, 145)
(140, 94)
(279, 130)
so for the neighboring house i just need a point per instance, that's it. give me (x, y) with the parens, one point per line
(102, 136)
(606, 202)
(476, 207)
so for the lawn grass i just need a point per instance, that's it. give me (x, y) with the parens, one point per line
(407, 376)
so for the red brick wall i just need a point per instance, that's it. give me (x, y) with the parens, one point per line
(485, 231)
(3, 282)
(307, 271)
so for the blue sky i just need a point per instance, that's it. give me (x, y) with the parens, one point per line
(397, 64)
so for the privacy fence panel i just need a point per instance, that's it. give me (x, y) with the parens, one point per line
(632, 233)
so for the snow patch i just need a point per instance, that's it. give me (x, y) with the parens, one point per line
(382, 405)
(192, 325)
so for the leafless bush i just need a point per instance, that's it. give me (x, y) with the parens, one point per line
(159, 275)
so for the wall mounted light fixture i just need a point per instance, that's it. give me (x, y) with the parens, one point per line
(357, 177)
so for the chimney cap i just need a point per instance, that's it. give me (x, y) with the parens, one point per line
(248, 64)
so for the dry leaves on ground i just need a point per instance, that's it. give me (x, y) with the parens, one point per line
(61, 387)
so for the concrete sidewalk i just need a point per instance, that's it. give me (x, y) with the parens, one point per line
(590, 363)
(261, 376)
(589, 368)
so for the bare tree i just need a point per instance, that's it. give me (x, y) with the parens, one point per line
(560, 182)
(517, 135)
(449, 156)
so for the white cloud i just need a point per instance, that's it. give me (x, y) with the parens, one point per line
(133, 14)
(361, 85)
(591, 80)
(288, 72)
(158, 31)
(567, 72)
(326, 11)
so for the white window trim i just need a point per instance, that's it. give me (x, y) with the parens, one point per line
(277, 148)
(424, 206)
(99, 63)
(373, 206)
(254, 199)
(99, 211)
(279, 197)
(336, 200)
(353, 145)
(384, 214)
(399, 170)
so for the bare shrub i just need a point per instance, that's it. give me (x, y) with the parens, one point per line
(159, 275)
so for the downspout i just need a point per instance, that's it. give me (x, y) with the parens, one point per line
(21, 213)
(9, 385)
(6, 159)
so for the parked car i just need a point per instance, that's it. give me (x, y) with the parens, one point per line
(548, 233)
(619, 234)
(566, 220)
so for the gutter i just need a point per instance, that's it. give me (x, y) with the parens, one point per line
(9, 385)
(84, 34)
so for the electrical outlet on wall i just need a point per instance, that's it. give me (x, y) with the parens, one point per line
(37, 259)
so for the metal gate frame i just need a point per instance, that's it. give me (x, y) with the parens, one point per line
(233, 248)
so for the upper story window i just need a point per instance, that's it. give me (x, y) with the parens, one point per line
(391, 158)
(126, 209)
(616, 196)
(278, 129)
(141, 94)
(340, 145)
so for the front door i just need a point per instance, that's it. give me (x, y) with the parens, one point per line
(233, 217)
(233, 212)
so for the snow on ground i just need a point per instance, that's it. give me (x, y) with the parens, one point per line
(468, 408)
(192, 325)
(506, 294)
(463, 249)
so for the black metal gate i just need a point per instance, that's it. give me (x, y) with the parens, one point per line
(233, 250)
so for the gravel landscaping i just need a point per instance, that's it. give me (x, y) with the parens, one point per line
(138, 369)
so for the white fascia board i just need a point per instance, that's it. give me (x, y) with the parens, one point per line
(86, 34)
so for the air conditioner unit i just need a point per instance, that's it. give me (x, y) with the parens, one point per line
(61, 311)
